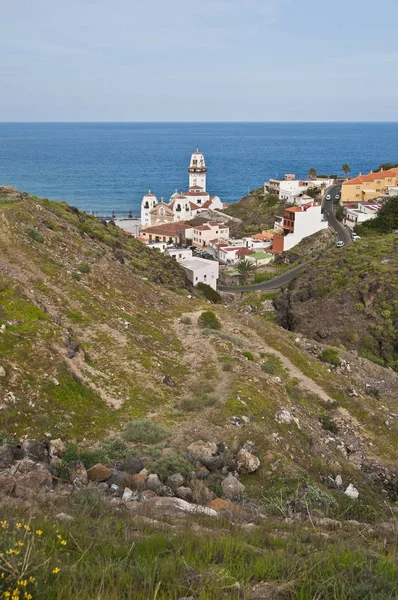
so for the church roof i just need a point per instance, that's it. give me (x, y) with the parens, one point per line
(193, 206)
(169, 229)
(195, 187)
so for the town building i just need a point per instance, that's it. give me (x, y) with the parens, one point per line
(203, 234)
(356, 213)
(182, 205)
(200, 270)
(297, 223)
(370, 186)
(291, 189)
(180, 254)
(171, 233)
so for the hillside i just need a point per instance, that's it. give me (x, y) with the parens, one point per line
(277, 454)
(255, 211)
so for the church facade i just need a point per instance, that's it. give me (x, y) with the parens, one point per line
(185, 205)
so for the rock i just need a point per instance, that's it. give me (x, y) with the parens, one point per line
(26, 465)
(31, 484)
(147, 495)
(102, 487)
(2, 371)
(201, 493)
(153, 482)
(173, 507)
(175, 481)
(352, 492)
(139, 481)
(127, 494)
(7, 484)
(225, 506)
(99, 473)
(185, 493)
(246, 462)
(35, 450)
(131, 466)
(64, 518)
(165, 491)
(338, 481)
(283, 416)
(120, 478)
(212, 462)
(6, 456)
(56, 448)
(232, 488)
(78, 474)
(168, 380)
(202, 472)
(249, 446)
(199, 449)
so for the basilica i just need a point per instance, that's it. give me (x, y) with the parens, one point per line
(185, 205)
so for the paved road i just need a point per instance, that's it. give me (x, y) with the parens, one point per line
(328, 207)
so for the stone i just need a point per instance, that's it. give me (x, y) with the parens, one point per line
(165, 491)
(99, 473)
(185, 493)
(232, 488)
(153, 482)
(7, 484)
(35, 450)
(131, 466)
(78, 474)
(202, 472)
(64, 518)
(284, 416)
(175, 481)
(56, 448)
(26, 465)
(147, 495)
(168, 380)
(102, 487)
(139, 481)
(199, 449)
(127, 494)
(246, 462)
(352, 492)
(2, 371)
(223, 506)
(6, 456)
(33, 483)
(213, 463)
(120, 478)
(338, 481)
(173, 507)
(249, 446)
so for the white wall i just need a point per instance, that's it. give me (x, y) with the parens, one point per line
(305, 223)
(200, 270)
(179, 254)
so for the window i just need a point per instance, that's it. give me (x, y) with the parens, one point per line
(357, 195)
(196, 279)
(358, 187)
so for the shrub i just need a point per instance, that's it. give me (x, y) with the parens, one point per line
(272, 366)
(171, 463)
(35, 235)
(208, 319)
(372, 391)
(144, 431)
(248, 355)
(227, 367)
(84, 267)
(76, 276)
(199, 402)
(330, 356)
(186, 320)
(209, 293)
(328, 424)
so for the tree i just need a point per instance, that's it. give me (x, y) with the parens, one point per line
(312, 173)
(245, 268)
(346, 169)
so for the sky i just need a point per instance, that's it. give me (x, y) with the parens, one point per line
(198, 60)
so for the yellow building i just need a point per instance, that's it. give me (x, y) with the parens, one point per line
(368, 187)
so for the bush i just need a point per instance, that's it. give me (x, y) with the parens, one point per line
(209, 293)
(208, 319)
(328, 424)
(272, 366)
(76, 276)
(84, 267)
(330, 356)
(248, 355)
(203, 400)
(171, 463)
(186, 320)
(144, 431)
(35, 235)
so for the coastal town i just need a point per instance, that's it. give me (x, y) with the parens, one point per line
(194, 229)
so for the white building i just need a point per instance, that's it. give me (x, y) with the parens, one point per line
(290, 189)
(180, 254)
(200, 270)
(393, 190)
(298, 223)
(185, 205)
(202, 235)
(354, 214)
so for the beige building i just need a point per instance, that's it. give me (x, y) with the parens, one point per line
(370, 186)
(202, 235)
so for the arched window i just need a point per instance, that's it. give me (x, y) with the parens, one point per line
(178, 209)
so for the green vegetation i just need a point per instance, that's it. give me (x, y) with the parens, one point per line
(312, 174)
(35, 235)
(386, 167)
(385, 222)
(330, 356)
(248, 355)
(209, 320)
(170, 463)
(84, 267)
(346, 169)
(200, 401)
(144, 431)
(245, 268)
(209, 293)
(256, 211)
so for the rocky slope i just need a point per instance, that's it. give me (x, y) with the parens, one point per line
(255, 211)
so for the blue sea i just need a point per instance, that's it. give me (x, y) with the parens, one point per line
(105, 167)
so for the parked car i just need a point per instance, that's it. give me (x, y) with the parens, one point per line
(340, 244)
(355, 236)
(328, 197)
(337, 197)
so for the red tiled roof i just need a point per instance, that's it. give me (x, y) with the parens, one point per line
(202, 228)
(233, 248)
(244, 252)
(167, 228)
(195, 187)
(193, 206)
(370, 177)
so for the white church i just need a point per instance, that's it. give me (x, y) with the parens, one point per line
(185, 205)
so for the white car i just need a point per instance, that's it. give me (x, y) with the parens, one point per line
(355, 236)
(328, 197)
(340, 244)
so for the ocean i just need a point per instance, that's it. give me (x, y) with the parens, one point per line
(105, 167)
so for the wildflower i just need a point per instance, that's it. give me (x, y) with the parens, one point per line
(63, 542)
(4, 524)
(20, 544)
(56, 570)
(32, 579)
(39, 532)
(28, 596)
(27, 528)
(19, 525)
(59, 536)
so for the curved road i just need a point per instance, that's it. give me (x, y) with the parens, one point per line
(282, 280)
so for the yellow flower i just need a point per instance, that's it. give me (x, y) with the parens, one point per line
(59, 536)
(19, 525)
(32, 579)
(20, 544)
(4, 524)
(27, 528)
(7, 594)
(28, 596)
(63, 542)
(56, 570)
(39, 532)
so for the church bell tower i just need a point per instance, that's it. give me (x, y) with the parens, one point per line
(197, 170)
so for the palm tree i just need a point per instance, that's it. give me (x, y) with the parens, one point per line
(312, 173)
(245, 268)
(346, 169)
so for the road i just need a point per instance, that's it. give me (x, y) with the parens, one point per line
(284, 279)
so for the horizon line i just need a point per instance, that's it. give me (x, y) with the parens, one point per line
(191, 122)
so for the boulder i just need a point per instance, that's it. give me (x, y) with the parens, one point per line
(99, 473)
(175, 481)
(212, 462)
(33, 483)
(2, 371)
(225, 506)
(7, 484)
(6, 456)
(185, 493)
(232, 488)
(56, 448)
(246, 462)
(139, 481)
(199, 449)
(78, 474)
(131, 466)
(26, 465)
(174, 507)
(165, 491)
(153, 482)
(127, 494)
(352, 492)
(35, 450)
(121, 479)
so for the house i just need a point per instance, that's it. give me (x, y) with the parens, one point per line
(202, 235)
(393, 191)
(290, 189)
(297, 223)
(180, 254)
(171, 233)
(182, 205)
(200, 270)
(356, 213)
(230, 255)
(370, 186)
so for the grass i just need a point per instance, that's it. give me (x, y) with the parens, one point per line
(144, 431)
